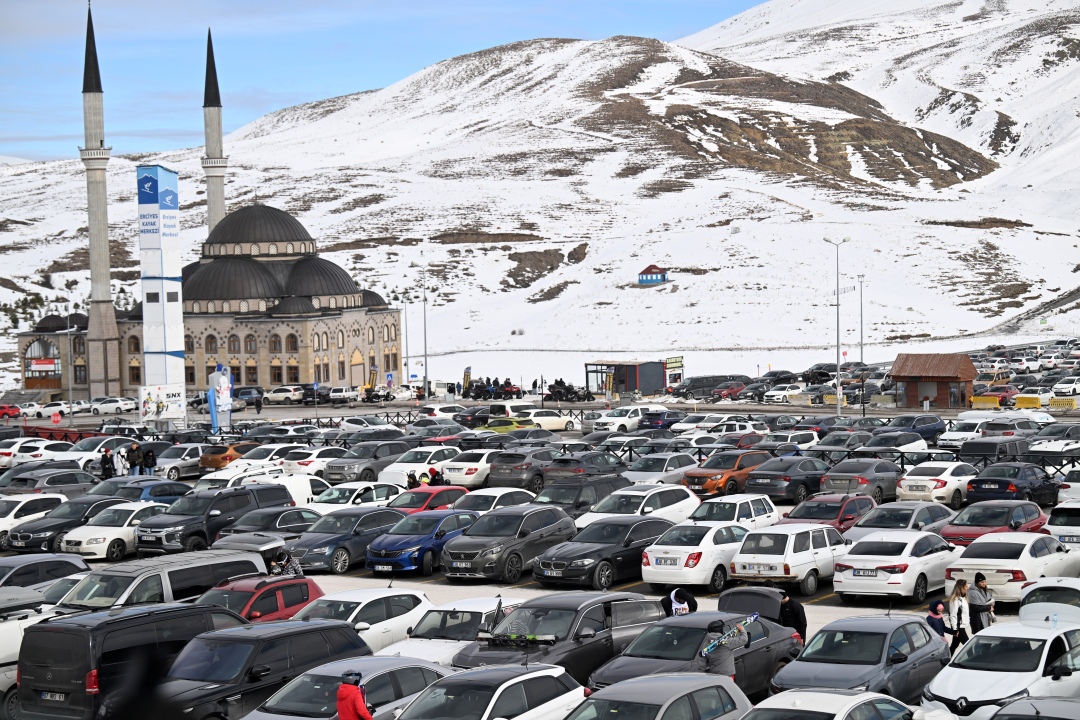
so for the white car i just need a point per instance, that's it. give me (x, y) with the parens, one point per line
(942, 482)
(782, 393)
(89, 449)
(1008, 560)
(417, 461)
(797, 553)
(29, 409)
(470, 469)
(265, 456)
(113, 406)
(1067, 386)
(311, 460)
(486, 499)
(1025, 364)
(110, 535)
(40, 450)
(1042, 394)
(440, 410)
(1053, 361)
(445, 630)
(992, 363)
(52, 408)
(362, 422)
(234, 477)
(19, 509)
(284, 395)
(687, 424)
(354, 494)
(589, 419)
(662, 468)
(303, 488)
(381, 617)
(805, 439)
(1064, 523)
(894, 563)
(625, 419)
(753, 512)
(962, 431)
(80, 406)
(621, 446)
(838, 705)
(713, 419)
(548, 419)
(671, 503)
(696, 553)
(8, 449)
(498, 692)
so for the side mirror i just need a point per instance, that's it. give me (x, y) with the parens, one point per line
(254, 615)
(647, 511)
(136, 523)
(847, 541)
(1015, 525)
(897, 658)
(483, 628)
(586, 633)
(215, 513)
(1059, 671)
(920, 525)
(627, 542)
(848, 518)
(524, 532)
(259, 672)
(361, 627)
(440, 534)
(582, 503)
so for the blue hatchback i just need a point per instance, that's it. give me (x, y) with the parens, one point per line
(929, 427)
(1013, 481)
(417, 541)
(162, 491)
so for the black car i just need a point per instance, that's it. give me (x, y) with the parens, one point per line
(46, 534)
(505, 541)
(777, 377)
(525, 437)
(578, 631)
(577, 495)
(787, 478)
(819, 425)
(231, 672)
(340, 539)
(194, 521)
(818, 373)
(283, 520)
(777, 422)
(605, 552)
(754, 391)
(472, 417)
(593, 462)
(674, 645)
(595, 438)
(654, 433)
(318, 395)
(857, 393)
(372, 434)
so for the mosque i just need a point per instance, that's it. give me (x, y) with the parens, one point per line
(259, 300)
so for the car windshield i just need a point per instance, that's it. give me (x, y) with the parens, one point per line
(67, 511)
(649, 464)
(994, 551)
(173, 452)
(888, 440)
(890, 518)
(262, 453)
(98, 590)
(111, 517)
(810, 510)
(844, 647)
(257, 520)
(1006, 472)
(1000, 654)
(334, 524)
(834, 440)
(328, 610)
(1061, 515)
(927, 471)
(360, 452)
(414, 457)
(779, 465)
(415, 526)
(688, 536)
(691, 420)
(336, 495)
(902, 421)
(618, 413)
(231, 599)
(469, 457)
(787, 714)
(496, 526)
(451, 699)
(88, 444)
(605, 533)
(1054, 430)
(777, 437)
(537, 621)
(56, 592)
(980, 516)
(209, 660)
(410, 500)
(764, 544)
(620, 504)
(601, 709)
(667, 642)
(480, 503)
(188, 506)
(557, 495)
(968, 427)
(720, 462)
(448, 625)
(715, 511)
(309, 695)
(878, 548)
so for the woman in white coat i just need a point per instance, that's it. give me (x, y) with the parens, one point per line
(959, 614)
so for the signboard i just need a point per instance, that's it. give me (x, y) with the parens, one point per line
(467, 378)
(163, 402)
(43, 364)
(219, 398)
(674, 363)
(56, 417)
(389, 380)
(374, 377)
(609, 381)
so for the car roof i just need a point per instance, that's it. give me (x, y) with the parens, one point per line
(643, 489)
(736, 497)
(873, 623)
(828, 497)
(20, 560)
(576, 600)
(498, 674)
(363, 595)
(904, 536)
(1018, 538)
(441, 513)
(1006, 503)
(258, 583)
(791, 529)
(94, 618)
(141, 565)
(657, 689)
(372, 665)
(825, 700)
(479, 604)
(621, 519)
(667, 454)
(274, 629)
(135, 504)
(494, 490)
(360, 511)
(150, 483)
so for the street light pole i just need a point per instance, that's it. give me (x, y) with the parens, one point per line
(839, 395)
(861, 278)
(70, 367)
(423, 271)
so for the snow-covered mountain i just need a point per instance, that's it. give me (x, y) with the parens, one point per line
(537, 179)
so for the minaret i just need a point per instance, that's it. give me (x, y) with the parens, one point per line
(102, 337)
(215, 163)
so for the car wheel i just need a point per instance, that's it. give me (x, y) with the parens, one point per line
(95, 411)
(732, 488)
(428, 564)
(801, 493)
(512, 571)
(603, 576)
(288, 401)
(318, 473)
(918, 595)
(878, 495)
(173, 473)
(622, 428)
(118, 411)
(116, 551)
(536, 484)
(367, 476)
(956, 501)
(11, 704)
(568, 427)
(717, 580)
(194, 544)
(5, 543)
(691, 395)
(340, 561)
(809, 584)
(58, 543)
(780, 665)
(935, 439)
(657, 587)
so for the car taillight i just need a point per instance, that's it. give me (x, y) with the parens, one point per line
(1029, 582)
(732, 567)
(784, 478)
(1012, 488)
(861, 480)
(37, 490)
(578, 470)
(1044, 531)
(971, 487)
(841, 567)
(826, 478)
(305, 463)
(983, 433)
(291, 503)
(797, 638)
(588, 692)
(938, 484)
(471, 471)
(949, 573)
(522, 467)
(91, 683)
(1016, 575)
(893, 569)
(787, 569)
(1065, 486)
(1008, 432)
(5, 454)
(644, 559)
(693, 559)
(36, 455)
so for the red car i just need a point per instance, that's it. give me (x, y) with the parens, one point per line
(1004, 393)
(10, 411)
(741, 440)
(832, 509)
(264, 598)
(728, 390)
(993, 516)
(439, 497)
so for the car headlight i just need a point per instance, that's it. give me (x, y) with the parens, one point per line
(41, 535)
(1016, 696)
(95, 541)
(175, 528)
(490, 551)
(582, 563)
(324, 550)
(411, 551)
(927, 695)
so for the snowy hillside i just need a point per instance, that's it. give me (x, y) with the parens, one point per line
(8, 160)
(538, 178)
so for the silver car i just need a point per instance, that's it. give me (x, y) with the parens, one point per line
(870, 476)
(180, 461)
(667, 468)
(902, 515)
(1011, 427)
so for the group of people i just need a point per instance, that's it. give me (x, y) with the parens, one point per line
(132, 461)
(433, 477)
(970, 609)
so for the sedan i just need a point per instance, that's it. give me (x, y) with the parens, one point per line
(39, 450)
(311, 461)
(606, 552)
(471, 695)
(110, 535)
(548, 419)
(470, 469)
(1013, 481)
(754, 391)
(993, 516)
(586, 463)
(47, 533)
(660, 468)
(417, 461)
(837, 511)
(726, 391)
(944, 483)
(894, 563)
(339, 540)
(381, 616)
(790, 478)
(1009, 560)
(113, 406)
(282, 521)
(781, 393)
(694, 553)
(487, 499)
(896, 441)
(180, 461)
(876, 478)
(903, 515)
(436, 497)
(671, 503)
(1036, 393)
(1004, 394)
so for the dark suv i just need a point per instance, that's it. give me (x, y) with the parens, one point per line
(661, 420)
(698, 387)
(472, 417)
(311, 393)
(577, 495)
(593, 462)
(194, 520)
(504, 542)
(72, 665)
(520, 468)
(230, 673)
(929, 427)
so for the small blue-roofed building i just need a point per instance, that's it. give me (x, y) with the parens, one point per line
(652, 275)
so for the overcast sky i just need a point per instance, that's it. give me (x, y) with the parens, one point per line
(270, 54)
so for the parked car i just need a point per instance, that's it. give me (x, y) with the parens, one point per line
(694, 553)
(340, 539)
(1009, 560)
(427, 497)
(838, 511)
(69, 483)
(364, 461)
(520, 468)
(485, 500)
(794, 478)
(284, 395)
(606, 552)
(724, 472)
(530, 692)
(1013, 481)
(159, 491)
(281, 521)
(354, 494)
(929, 427)
(113, 406)
(473, 417)
(311, 461)
(110, 535)
(417, 542)
(445, 630)
(419, 461)
(47, 533)
(917, 515)
(673, 504)
(380, 616)
(217, 457)
(505, 542)
(576, 495)
(944, 483)
(263, 599)
(902, 564)
(782, 554)
(36, 573)
(471, 468)
(660, 468)
(40, 449)
(993, 516)
(586, 463)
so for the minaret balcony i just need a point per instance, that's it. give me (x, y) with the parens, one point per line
(95, 158)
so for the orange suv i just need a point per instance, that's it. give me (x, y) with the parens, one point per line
(219, 456)
(724, 472)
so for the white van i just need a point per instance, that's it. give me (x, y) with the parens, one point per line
(970, 424)
(303, 488)
(625, 419)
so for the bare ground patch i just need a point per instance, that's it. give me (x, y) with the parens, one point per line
(552, 292)
(531, 266)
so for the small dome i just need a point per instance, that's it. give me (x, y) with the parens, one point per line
(293, 306)
(135, 313)
(370, 298)
(258, 224)
(231, 278)
(51, 323)
(313, 276)
(79, 320)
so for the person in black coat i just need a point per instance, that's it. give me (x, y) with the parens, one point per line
(792, 614)
(679, 602)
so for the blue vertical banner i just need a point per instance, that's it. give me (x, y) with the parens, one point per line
(219, 398)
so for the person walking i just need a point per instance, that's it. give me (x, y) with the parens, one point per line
(134, 459)
(679, 602)
(351, 703)
(458, 386)
(981, 604)
(149, 462)
(258, 404)
(935, 618)
(721, 661)
(959, 614)
(120, 466)
(108, 468)
(792, 614)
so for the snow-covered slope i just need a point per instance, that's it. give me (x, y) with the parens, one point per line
(537, 179)
(8, 160)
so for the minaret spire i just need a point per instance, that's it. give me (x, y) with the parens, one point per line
(214, 163)
(91, 82)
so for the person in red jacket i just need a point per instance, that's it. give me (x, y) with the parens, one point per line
(351, 704)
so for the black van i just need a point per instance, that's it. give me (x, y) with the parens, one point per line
(989, 450)
(70, 665)
(698, 387)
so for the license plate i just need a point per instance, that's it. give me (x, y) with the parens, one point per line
(667, 561)
(18, 543)
(384, 568)
(461, 565)
(553, 573)
(761, 481)
(865, 573)
(990, 486)
(917, 488)
(453, 470)
(58, 697)
(147, 538)
(1070, 539)
(758, 568)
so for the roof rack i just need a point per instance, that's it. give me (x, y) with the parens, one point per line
(234, 578)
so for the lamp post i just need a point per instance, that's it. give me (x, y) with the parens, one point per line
(70, 367)
(839, 396)
(423, 271)
(861, 358)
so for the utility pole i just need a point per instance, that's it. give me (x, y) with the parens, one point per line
(839, 395)
(407, 380)
(861, 358)
(70, 367)
(423, 275)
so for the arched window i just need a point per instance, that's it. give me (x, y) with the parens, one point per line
(210, 345)
(244, 306)
(237, 250)
(196, 307)
(234, 343)
(315, 342)
(386, 333)
(78, 346)
(316, 302)
(262, 306)
(275, 343)
(226, 306)
(189, 344)
(333, 303)
(292, 344)
(134, 346)
(255, 250)
(393, 332)
(371, 336)
(289, 249)
(273, 248)
(249, 344)
(210, 306)
(325, 341)
(341, 338)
